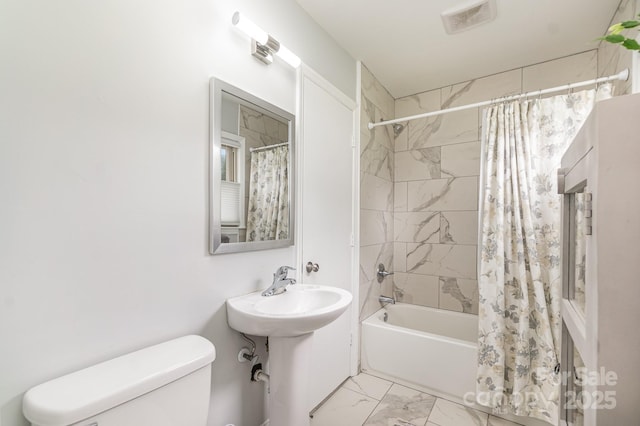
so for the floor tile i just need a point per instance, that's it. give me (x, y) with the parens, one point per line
(497, 421)
(446, 413)
(344, 408)
(368, 385)
(402, 406)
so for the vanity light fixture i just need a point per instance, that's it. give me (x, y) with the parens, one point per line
(263, 46)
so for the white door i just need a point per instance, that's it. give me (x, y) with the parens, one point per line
(327, 213)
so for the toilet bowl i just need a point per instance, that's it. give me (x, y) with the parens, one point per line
(163, 385)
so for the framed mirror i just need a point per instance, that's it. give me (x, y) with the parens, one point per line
(251, 188)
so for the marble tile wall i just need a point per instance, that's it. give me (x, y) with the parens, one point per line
(419, 189)
(436, 182)
(376, 192)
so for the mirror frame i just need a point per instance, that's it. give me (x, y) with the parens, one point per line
(217, 87)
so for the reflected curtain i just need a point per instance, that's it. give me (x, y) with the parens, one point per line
(520, 281)
(268, 209)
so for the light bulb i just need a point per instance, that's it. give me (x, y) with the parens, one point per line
(288, 56)
(249, 28)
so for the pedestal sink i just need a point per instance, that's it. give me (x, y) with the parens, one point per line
(301, 309)
(289, 320)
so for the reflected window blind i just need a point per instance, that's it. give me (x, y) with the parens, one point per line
(230, 203)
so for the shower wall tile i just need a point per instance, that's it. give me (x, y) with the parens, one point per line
(461, 126)
(370, 289)
(416, 227)
(420, 132)
(458, 294)
(377, 94)
(461, 159)
(375, 193)
(482, 89)
(426, 178)
(376, 160)
(384, 135)
(443, 194)
(456, 127)
(386, 287)
(376, 145)
(582, 66)
(402, 140)
(399, 257)
(400, 196)
(376, 227)
(381, 135)
(459, 227)
(367, 115)
(418, 103)
(417, 164)
(371, 256)
(448, 260)
(417, 289)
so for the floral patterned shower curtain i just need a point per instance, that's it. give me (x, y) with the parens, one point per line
(520, 276)
(268, 210)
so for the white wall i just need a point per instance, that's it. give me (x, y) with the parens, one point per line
(103, 182)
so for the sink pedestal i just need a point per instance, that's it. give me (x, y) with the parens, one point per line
(289, 364)
(289, 320)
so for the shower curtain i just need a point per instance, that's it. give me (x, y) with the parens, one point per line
(268, 209)
(519, 267)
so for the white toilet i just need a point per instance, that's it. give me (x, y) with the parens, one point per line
(162, 385)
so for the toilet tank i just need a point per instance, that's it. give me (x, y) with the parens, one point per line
(163, 385)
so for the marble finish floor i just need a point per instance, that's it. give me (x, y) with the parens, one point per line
(367, 400)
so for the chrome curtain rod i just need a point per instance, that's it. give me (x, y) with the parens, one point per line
(623, 76)
(262, 148)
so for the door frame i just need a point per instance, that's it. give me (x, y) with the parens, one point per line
(303, 72)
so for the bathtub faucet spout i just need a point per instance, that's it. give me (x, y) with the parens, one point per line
(385, 300)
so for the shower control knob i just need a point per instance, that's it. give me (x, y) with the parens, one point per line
(382, 273)
(312, 267)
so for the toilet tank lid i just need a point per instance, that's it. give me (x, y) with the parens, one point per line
(85, 393)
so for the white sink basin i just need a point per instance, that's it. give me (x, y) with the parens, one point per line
(301, 309)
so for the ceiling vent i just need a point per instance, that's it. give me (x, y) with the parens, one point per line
(469, 15)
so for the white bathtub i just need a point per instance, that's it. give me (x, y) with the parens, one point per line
(432, 348)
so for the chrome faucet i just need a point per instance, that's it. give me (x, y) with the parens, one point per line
(280, 281)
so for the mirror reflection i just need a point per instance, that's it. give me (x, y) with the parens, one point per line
(254, 156)
(251, 184)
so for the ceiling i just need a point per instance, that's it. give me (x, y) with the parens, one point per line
(404, 44)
